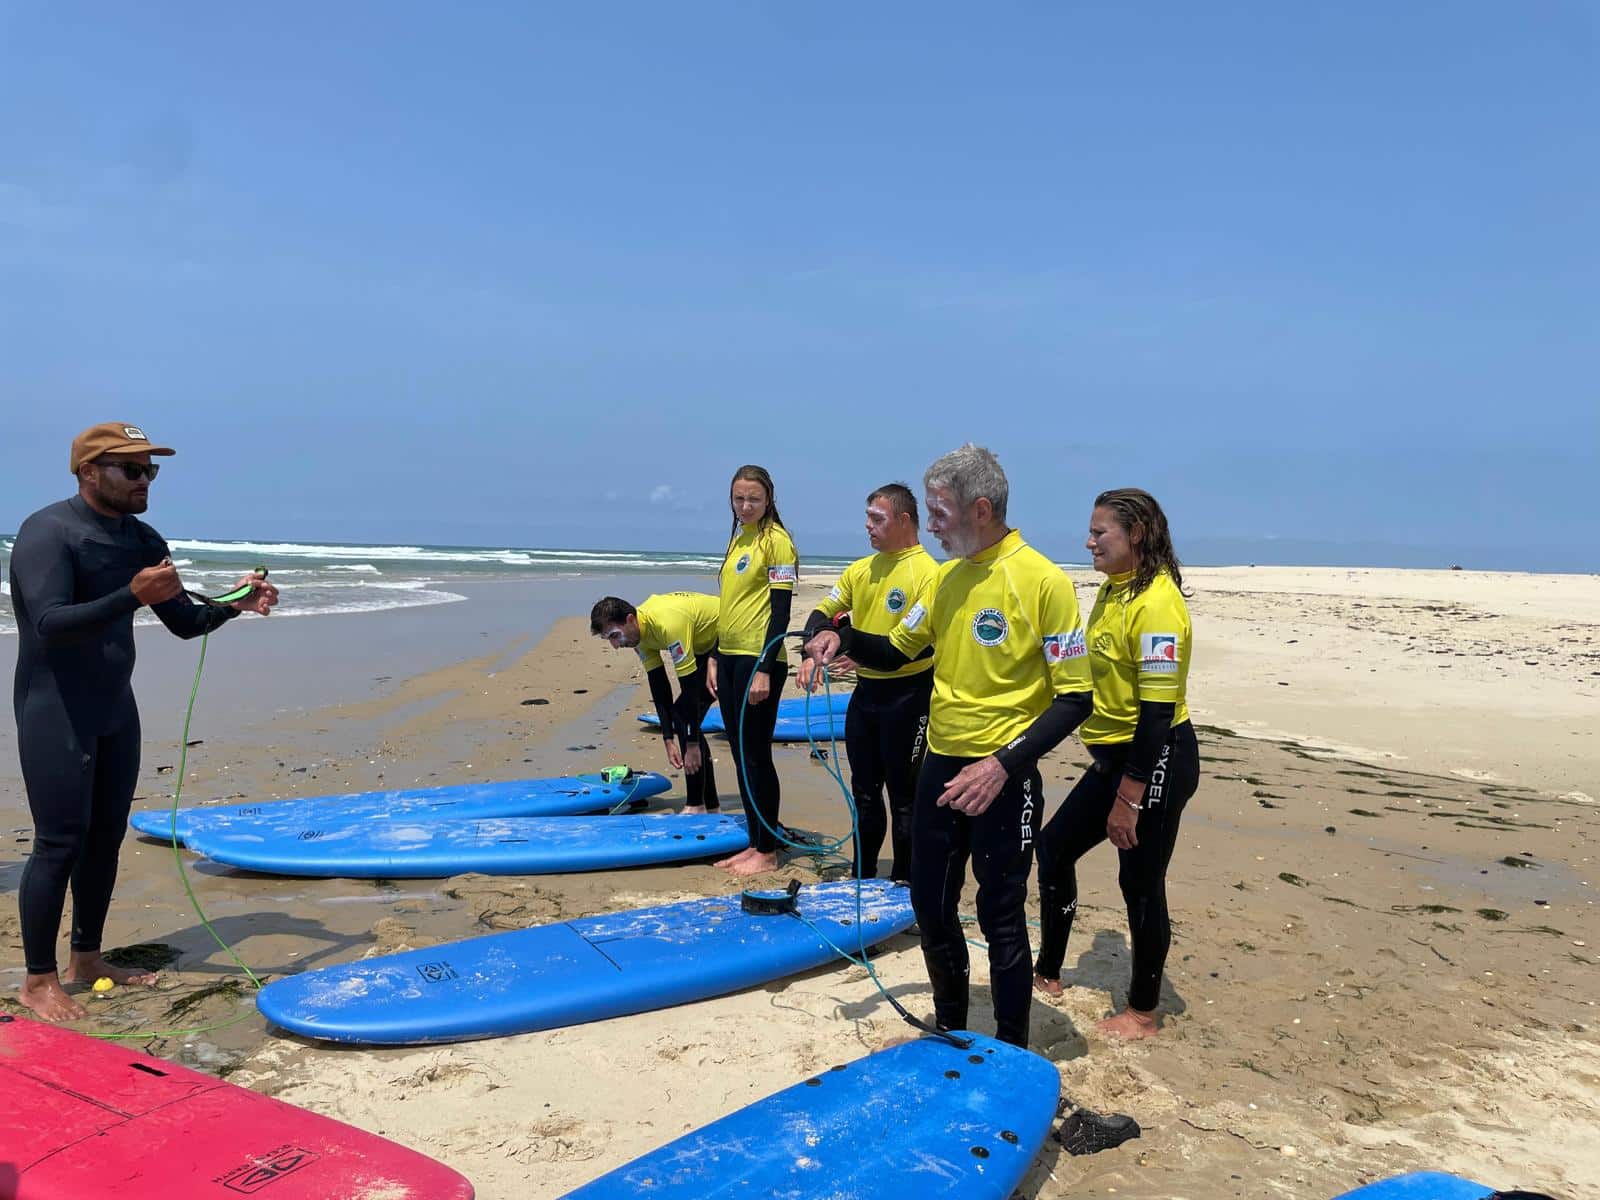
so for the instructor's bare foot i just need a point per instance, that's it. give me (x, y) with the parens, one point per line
(42, 995)
(1050, 987)
(727, 863)
(694, 810)
(87, 968)
(1130, 1024)
(754, 863)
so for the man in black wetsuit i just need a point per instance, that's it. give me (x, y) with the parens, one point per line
(80, 569)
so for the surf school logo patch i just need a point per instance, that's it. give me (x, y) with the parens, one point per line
(742, 565)
(782, 573)
(895, 600)
(1060, 647)
(675, 653)
(989, 627)
(1158, 653)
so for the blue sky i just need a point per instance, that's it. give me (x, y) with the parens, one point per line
(1323, 279)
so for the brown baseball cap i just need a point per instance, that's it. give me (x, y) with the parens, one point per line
(112, 437)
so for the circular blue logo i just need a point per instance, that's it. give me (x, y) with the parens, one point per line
(895, 600)
(989, 627)
(742, 565)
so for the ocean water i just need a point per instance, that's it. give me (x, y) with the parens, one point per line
(316, 578)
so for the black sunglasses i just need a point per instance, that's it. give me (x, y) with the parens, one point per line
(132, 471)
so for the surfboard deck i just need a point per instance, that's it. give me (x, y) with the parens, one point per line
(922, 1119)
(434, 849)
(1420, 1185)
(556, 796)
(550, 976)
(82, 1119)
(791, 709)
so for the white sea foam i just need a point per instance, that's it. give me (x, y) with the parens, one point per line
(382, 553)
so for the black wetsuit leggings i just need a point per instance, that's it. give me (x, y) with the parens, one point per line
(79, 795)
(1079, 825)
(886, 735)
(1000, 843)
(700, 787)
(752, 755)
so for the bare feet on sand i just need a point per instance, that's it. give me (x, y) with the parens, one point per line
(1050, 987)
(754, 863)
(43, 996)
(695, 810)
(1130, 1024)
(727, 863)
(86, 967)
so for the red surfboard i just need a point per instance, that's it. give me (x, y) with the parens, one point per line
(82, 1118)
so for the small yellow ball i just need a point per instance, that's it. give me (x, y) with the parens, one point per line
(103, 984)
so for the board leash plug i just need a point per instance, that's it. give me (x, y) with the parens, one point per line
(770, 904)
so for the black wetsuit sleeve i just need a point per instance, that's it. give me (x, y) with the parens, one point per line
(187, 619)
(692, 701)
(875, 650)
(661, 695)
(1149, 735)
(817, 622)
(777, 623)
(42, 570)
(1064, 714)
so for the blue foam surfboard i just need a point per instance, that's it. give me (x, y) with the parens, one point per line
(432, 849)
(559, 796)
(919, 1120)
(1420, 1185)
(585, 970)
(826, 718)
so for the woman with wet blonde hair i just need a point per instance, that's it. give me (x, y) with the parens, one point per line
(756, 591)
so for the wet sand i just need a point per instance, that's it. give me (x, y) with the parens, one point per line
(1384, 959)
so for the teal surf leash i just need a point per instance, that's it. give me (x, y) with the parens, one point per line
(826, 848)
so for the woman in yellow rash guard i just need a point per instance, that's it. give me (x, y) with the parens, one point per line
(757, 588)
(1146, 760)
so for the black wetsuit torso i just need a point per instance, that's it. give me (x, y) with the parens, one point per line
(77, 724)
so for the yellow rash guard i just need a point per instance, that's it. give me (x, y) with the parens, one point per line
(1007, 638)
(683, 625)
(878, 591)
(759, 562)
(1138, 650)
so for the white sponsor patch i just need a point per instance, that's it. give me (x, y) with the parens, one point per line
(782, 573)
(914, 617)
(1158, 653)
(134, 434)
(676, 653)
(1060, 647)
(836, 595)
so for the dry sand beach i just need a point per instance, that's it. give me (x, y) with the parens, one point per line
(1386, 936)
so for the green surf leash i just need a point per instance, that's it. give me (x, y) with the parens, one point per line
(183, 875)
